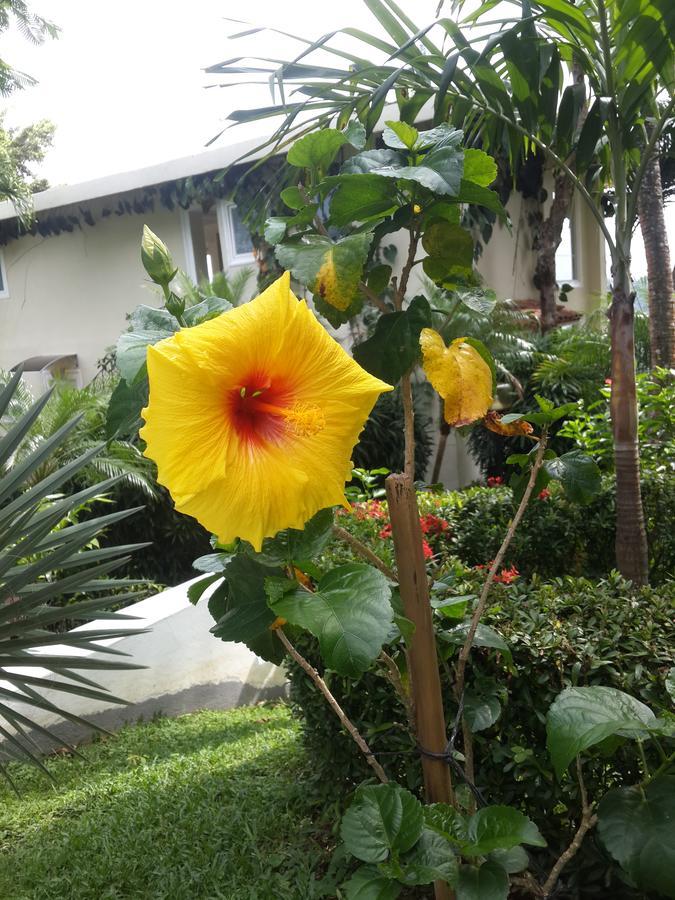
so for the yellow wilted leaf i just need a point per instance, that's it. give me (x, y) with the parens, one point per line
(459, 374)
(494, 423)
(328, 286)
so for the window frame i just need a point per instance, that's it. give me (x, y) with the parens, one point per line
(576, 254)
(4, 292)
(228, 246)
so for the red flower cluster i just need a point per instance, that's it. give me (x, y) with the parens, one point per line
(432, 524)
(495, 480)
(544, 494)
(506, 576)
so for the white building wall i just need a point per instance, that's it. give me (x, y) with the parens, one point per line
(186, 668)
(71, 292)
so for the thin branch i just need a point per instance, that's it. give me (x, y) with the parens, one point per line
(334, 705)
(407, 268)
(372, 296)
(480, 607)
(364, 552)
(394, 678)
(588, 821)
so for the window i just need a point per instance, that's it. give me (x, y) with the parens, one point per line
(4, 287)
(215, 241)
(237, 243)
(566, 255)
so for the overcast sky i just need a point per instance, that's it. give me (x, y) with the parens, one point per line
(125, 86)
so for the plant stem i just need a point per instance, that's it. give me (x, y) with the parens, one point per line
(372, 296)
(334, 705)
(480, 607)
(364, 552)
(588, 821)
(665, 765)
(394, 678)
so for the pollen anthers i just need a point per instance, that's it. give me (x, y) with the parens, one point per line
(305, 419)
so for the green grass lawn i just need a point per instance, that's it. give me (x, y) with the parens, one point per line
(209, 805)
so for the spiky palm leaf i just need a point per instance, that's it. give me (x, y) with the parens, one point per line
(89, 405)
(32, 550)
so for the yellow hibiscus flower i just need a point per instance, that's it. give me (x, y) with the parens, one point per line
(253, 415)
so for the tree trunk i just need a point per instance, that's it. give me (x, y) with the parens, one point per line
(546, 244)
(659, 274)
(631, 539)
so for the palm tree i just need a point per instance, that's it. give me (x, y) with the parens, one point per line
(661, 296)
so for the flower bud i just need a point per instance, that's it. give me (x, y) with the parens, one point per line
(156, 258)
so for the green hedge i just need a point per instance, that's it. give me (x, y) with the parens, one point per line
(568, 631)
(555, 537)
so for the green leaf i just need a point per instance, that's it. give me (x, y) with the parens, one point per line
(446, 821)
(481, 711)
(489, 882)
(440, 171)
(196, 589)
(578, 474)
(637, 829)
(293, 197)
(431, 859)
(294, 544)
(349, 613)
(670, 683)
(451, 607)
(356, 134)
(123, 415)
(395, 345)
(316, 150)
(382, 818)
(367, 883)
(479, 168)
(209, 308)
(248, 617)
(148, 326)
(469, 192)
(360, 198)
(330, 270)
(478, 300)
(512, 861)
(442, 135)
(399, 135)
(379, 278)
(275, 229)
(212, 563)
(485, 636)
(450, 248)
(499, 828)
(580, 717)
(337, 317)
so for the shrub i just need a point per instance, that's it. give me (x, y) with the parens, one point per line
(590, 427)
(555, 537)
(568, 631)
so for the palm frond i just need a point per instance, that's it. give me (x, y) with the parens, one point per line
(43, 560)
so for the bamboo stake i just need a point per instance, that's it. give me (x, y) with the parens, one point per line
(424, 676)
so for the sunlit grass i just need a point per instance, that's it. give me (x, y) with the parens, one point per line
(209, 805)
